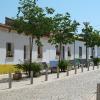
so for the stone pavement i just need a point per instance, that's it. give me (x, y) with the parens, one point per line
(81, 86)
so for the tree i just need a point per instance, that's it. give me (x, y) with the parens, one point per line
(63, 32)
(90, 37)
(33, 21)
(35, 1)
(98, 39)
(94, 39)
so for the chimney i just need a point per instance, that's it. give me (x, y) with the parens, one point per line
(8, 21)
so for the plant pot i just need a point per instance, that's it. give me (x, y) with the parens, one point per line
(17, 76)
(36, 74)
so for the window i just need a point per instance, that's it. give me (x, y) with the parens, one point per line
(63, 52)
(92, 52)
(40, 52)
(57, 51)
(25, 52)
(69, 52)
(80, 52)
(9, 50)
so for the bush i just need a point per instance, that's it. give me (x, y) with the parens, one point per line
(35, 67)
(63, 65)
(24, 67)
(96, 61)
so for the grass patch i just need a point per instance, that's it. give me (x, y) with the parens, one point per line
(6, 68)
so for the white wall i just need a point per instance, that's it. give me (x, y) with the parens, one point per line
(18, 40)
(77, 45)
(98, 52)
(49, 51)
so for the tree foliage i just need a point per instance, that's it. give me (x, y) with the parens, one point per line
(63, 29)
(87, 30)
(33, 20)
(91, 38)
(90, 35)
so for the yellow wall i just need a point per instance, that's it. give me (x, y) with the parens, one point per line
(6, 68)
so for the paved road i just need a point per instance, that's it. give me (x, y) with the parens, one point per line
(77, 87)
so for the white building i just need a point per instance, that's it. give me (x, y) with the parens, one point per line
(14, 48)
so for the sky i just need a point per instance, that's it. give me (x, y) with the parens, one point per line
(80, 10)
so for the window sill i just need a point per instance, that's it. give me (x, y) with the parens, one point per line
(9, 56)
(57, 57)
(9, 59)
(39, 58)
(69, 56)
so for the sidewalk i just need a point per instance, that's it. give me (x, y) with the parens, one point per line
(41, 80)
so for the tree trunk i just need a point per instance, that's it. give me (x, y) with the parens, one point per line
(86, 56)
(92, 49)
(30, 57)
(60, 48)
(74, 53)
(74, 60)
(93, 52)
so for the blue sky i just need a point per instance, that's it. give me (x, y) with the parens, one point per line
(81, 10)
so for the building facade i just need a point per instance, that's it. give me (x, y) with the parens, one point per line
(14, 49)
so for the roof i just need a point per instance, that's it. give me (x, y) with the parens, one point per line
(4, 27)
(7, 25)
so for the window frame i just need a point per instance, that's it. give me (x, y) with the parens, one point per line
(40, 52)
(80, 52)
(57, 50)
(69, 51)
(9, 49)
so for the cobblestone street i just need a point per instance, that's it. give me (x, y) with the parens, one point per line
(77, 87)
